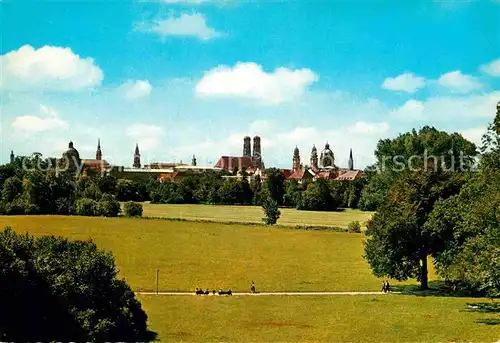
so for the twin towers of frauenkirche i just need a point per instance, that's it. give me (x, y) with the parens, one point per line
(256, 153)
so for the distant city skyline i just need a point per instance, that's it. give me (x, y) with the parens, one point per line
(191, 78)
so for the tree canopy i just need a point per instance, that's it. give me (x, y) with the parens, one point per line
(53, 289)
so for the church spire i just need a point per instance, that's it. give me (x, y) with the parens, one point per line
(351, 161)
(98, 153)
(137, 157)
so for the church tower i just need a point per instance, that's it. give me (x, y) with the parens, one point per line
(12, 157)
(137, 157)
(98, 153)
(193, 161)
(351, 161)
(296, 160)
(247, 151)
(314, 158)
(257, 153)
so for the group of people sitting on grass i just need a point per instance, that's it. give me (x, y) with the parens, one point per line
(386, 287)
(200, 291)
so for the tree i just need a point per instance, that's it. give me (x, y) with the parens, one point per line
(399, 242)
(271, 211)
(12, 187)
(319, 196)
(275, 184)
(53, 289)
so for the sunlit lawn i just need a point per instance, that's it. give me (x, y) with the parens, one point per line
(384, 318)
(215, 255)
(254, 214)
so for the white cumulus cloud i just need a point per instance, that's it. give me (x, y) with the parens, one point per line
(135, 90)
(194, 25)
(406, 82)
(147, 136)
(446, 108)
(249, 80)
(48, 68)
(47, 120)
(458, 82)
(369, 128)
(410, 110)
(492, 68)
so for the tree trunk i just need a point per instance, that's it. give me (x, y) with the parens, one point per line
(423, 274)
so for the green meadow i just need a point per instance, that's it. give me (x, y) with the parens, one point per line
(227, 255)
(254, 214)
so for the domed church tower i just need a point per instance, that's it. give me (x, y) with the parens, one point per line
(71, 158)
(327, 158)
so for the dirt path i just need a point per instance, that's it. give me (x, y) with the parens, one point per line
(272, 293)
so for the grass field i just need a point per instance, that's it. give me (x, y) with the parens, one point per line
(217, 255)
(388, 318)
(254, 214)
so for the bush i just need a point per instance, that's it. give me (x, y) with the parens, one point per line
(132, 209)
(65, 290)
(87, 207)
(354, 226)
(271, 211)
(109, 206)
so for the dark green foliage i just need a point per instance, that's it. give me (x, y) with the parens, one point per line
(275, 183)
(271, 211)
(108, 206)
(354, 226)
(293, 194)
(87, 207)
(424, 150)
(399, 241)
(320, 196)
(12, 188)
(470, 226)
(132, 209)
(128, 190)
(52, 289)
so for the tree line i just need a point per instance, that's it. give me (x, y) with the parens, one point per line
(34, 190)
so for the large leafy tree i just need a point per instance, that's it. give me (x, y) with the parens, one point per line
(470, 223)
(53, 289)
(399, 242)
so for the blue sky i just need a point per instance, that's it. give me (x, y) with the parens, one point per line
(184, 77)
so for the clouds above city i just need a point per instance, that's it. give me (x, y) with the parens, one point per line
(184, 77)
(249, 80)
(47, 119)
(48, 68)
